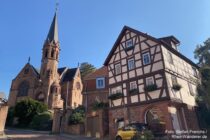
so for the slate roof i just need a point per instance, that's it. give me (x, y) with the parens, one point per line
(167, 40)
(61, 70)
(53, 32)
(69, 75)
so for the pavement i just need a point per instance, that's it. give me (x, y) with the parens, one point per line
(18, 134)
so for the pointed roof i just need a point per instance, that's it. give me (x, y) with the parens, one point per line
(53, 32)
(163, 41)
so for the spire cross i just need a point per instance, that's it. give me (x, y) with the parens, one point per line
(29, 59)
(56, 5)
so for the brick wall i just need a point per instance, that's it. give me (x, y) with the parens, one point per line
(137, 114)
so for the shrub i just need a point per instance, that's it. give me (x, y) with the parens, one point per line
(115, 96)
(77, 116)
(42, 121)
(129, 48)
(134, 91)
(150, 87)
(176, 87)
(26, 109)
(99, 105)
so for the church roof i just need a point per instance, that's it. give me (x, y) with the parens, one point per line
(69, 75)
(61, 70)
(53, 32)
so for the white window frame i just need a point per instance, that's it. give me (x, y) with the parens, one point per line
(191, 89)
(149, 59)
(133, 85)
(194, 72)
(117, 89)
(148, 80)
(117, 69)
(174, 80)
(129, 43)
(170, 58)
(98, 86)
(131, 64)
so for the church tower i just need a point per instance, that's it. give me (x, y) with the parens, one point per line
(50, 53)
(49, 62)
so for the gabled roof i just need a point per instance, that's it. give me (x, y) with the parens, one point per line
(167, 40)
(35, 70)
(69, 74)
(101, 72)
(120, 37)
(53, 32)
(61, 70)
(164, 41)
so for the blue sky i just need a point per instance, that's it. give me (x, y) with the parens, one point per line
(88, 29)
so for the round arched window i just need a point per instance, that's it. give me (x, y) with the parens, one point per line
(23, 89)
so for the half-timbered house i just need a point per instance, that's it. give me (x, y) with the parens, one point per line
(151, 82)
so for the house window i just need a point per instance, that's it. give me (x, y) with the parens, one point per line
(116, 90)
(129, 43)
(149, 81)
(133, 85)
(100, 83)
(170, 58)
(194, 72)
(131, 64)
(146, 58)
(174, 80)
(191, 89)
(117, 69)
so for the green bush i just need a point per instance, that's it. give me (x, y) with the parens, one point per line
(176, 87)
(115, 96)
(77, 116)
(42, 121)
(134, 91)
(150, 87)
(26, 109)
(99, 105)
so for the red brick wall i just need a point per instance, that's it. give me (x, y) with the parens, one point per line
(137, 114)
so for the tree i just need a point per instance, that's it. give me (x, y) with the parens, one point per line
(202, 53)
(77, 116)
(26, 109)
(86, 68)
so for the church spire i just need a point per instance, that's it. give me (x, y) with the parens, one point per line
(53, 32)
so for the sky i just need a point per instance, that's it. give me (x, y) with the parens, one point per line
(89, 28)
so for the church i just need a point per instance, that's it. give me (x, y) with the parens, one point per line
(56, 87)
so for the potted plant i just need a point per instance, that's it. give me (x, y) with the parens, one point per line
(129, 48)
(150, 87)
(134, 91)
(115, 96)
(99, 105)
(176, 86)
